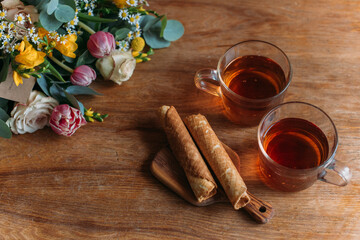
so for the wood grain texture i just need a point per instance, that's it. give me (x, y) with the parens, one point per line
(97, 184)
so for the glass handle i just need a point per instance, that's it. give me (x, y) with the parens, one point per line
(207, 80)
(336, 173)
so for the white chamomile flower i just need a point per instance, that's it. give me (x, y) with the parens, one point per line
(92, 5)
(53, 35)
(78, 32)
(8, 37)
(132, 3)
(87, 6)
(137, 33)
(130, 36)
(35, 39)
(11, 25)
(132, 19)
(137, 17)
(90, 12)
(29, 18)
(123, 14)
(3, 14)
(32, 31)
(1, 35)
(2, 27)
(19, 18)
(62, 39)
(124, 47)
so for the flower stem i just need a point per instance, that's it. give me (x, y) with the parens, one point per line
(86, 27)
(60, 64)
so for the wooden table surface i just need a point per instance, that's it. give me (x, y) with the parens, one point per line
(97, 184)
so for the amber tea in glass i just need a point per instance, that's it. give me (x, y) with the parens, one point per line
(253, 77)
(297, 144)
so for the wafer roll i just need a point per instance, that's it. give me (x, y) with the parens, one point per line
(218, 160)
(188, 155)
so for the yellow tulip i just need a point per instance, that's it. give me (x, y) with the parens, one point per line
(28, 56)
(17, 78)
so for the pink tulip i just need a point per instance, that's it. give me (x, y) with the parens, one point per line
(101, 44)
(65, 120)
(83, 76)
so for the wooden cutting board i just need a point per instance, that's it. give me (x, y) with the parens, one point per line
(168, 171)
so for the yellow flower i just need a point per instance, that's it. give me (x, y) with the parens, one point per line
(120, 3)
(28, 56)
(89, 113)
(139, 60)
(138, 44)
(135, 53)
(17, 78)
(69, 47)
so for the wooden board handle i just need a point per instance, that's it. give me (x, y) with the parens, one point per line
(259, 210)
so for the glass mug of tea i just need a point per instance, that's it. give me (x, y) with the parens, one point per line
(297, 144)
(251, 78)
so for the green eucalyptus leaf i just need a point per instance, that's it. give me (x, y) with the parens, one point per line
(70, 3)
(83, 16)
(51, 6)
(64, 13)
(5, 68)
(148, 21)
(81, 90)
(57, 93)
(49, 22)
(153, 40)
(3, 115)
(174, 30)
(43, 84)
(41, 5)
(85, 59)
(4, 103)
(121, 33)
(5, 131)
(163, 25)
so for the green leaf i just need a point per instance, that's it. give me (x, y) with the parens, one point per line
(43, 84)
(70, 3)
(74, 102)
(3, 115)
(49, 22)
(83, 16)
(5, 131)
(54, 71)
(51, 6)
(85, 59)
(121, 33)
(4, 103)
(64, 13)
(81, 90)
(174, 30)
(148, 21)
(5, 68)
(57, 92)
(163, 26)
(153, 40)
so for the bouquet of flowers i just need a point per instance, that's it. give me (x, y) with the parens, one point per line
(52, 50)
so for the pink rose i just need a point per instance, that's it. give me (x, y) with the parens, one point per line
(101, 44)
(65, 120)
(83, 76)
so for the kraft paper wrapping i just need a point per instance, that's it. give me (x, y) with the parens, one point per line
(218, 160)
(200, 179)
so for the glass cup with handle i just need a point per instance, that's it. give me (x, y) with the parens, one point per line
(297, 144)
(251, 78)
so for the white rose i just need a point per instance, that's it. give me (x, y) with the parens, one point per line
(118, 66)
(32, 116)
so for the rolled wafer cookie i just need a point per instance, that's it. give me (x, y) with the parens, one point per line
(200, 179)
(218, 160)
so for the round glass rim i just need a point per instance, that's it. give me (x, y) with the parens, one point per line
(289, 77)
(323, 165)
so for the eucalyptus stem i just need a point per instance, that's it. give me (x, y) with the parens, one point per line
(86, 27)
(60, 64)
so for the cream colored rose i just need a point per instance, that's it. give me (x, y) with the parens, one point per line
(118, 66)
(32, 116)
